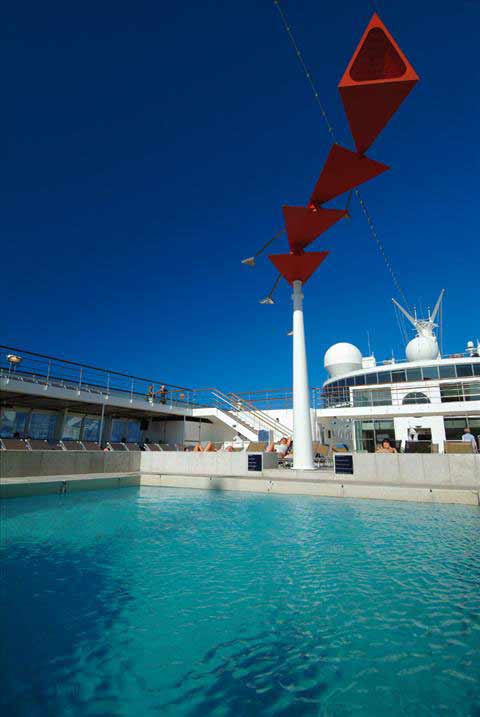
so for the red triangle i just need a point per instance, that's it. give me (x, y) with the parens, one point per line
(342, 171)
(375, 83)
(299, 267)
(304, 224)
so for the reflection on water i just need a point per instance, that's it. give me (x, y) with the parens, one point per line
(151, 601)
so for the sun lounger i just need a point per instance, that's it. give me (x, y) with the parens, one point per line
(14, 444)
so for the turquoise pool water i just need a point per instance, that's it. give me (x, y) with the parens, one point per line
(168, 602)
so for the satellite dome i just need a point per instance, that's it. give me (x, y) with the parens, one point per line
(422, 348)
(342, 358)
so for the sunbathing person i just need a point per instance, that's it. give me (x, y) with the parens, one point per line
(282, 448)
(386, 447)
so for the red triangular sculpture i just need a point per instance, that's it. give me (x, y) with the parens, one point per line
(342, 171)
(375, 83)
(298, 266)
(305, 224)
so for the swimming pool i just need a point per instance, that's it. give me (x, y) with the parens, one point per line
(151, 601)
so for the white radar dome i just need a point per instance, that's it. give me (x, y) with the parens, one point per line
(342, 358)
(422, 348)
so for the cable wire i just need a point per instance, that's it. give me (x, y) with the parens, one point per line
(331, 132)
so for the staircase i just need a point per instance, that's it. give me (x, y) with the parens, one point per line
(243, 415)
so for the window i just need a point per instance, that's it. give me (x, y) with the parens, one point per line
(373, 397)
(91, 429)
(414, 374)
(42, 425)
(454, 428)
(12, 422)
(360, 380)
(385, 377)
(372, 378)
(415, 397)
(351, 381)
(430, 373)
(471, 391)
(71, 429)
(465, 369)
(369, 433)
(476, 369)
(447, 371)
(451, 392)
(133, 432)
(119, 430)
(398, 376)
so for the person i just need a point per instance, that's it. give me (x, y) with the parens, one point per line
(282, 448)
(150, 391)
(386, 447)
(468, 436)
(162, 391)
(197, 448)
(209, 448)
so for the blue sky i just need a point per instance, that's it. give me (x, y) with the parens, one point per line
(151, 146)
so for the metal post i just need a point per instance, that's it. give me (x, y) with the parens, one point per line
(101, 425)
(302, 426)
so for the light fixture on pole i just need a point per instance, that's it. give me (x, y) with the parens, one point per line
(250, 261)
(13, 361)
(268, 299)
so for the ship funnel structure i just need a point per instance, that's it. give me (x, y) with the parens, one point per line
(424, 346)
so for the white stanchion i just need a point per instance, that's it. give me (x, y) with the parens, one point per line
(302, 427)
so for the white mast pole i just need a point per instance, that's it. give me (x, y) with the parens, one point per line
(302, 427)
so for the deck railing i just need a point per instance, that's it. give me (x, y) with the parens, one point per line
(27, 366)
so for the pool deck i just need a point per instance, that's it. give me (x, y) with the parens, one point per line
(321, 483)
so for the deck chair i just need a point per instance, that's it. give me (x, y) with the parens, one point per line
(256, 447)
(457, 447)
(73, 445)
(38, 444)
(418, 446)
(152, 447)
(132, 446)
(92, 446)
(117, 446)
(14, 444)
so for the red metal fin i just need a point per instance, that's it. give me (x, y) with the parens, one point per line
(375, 83)
(298, 266)
(304, 224)
(342, 171)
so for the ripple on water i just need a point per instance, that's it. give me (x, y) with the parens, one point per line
(178, 603)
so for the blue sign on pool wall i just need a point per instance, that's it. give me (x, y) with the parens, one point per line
(255, 462)
(343, 464)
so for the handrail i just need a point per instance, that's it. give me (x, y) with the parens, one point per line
(274, 424)
(22, 352)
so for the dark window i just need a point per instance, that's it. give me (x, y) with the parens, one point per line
(476, 369)
(451, 392)
(414, 374)
(360, 380)
(384, 377)
(362, 398)
(429, 373)
(447, 371)
(415, 397)
(465, 369)
(351, 381)
(372, 378)
(398, 376)
(454, 428)
(382, 397)
(471, 391)
(342, 382)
